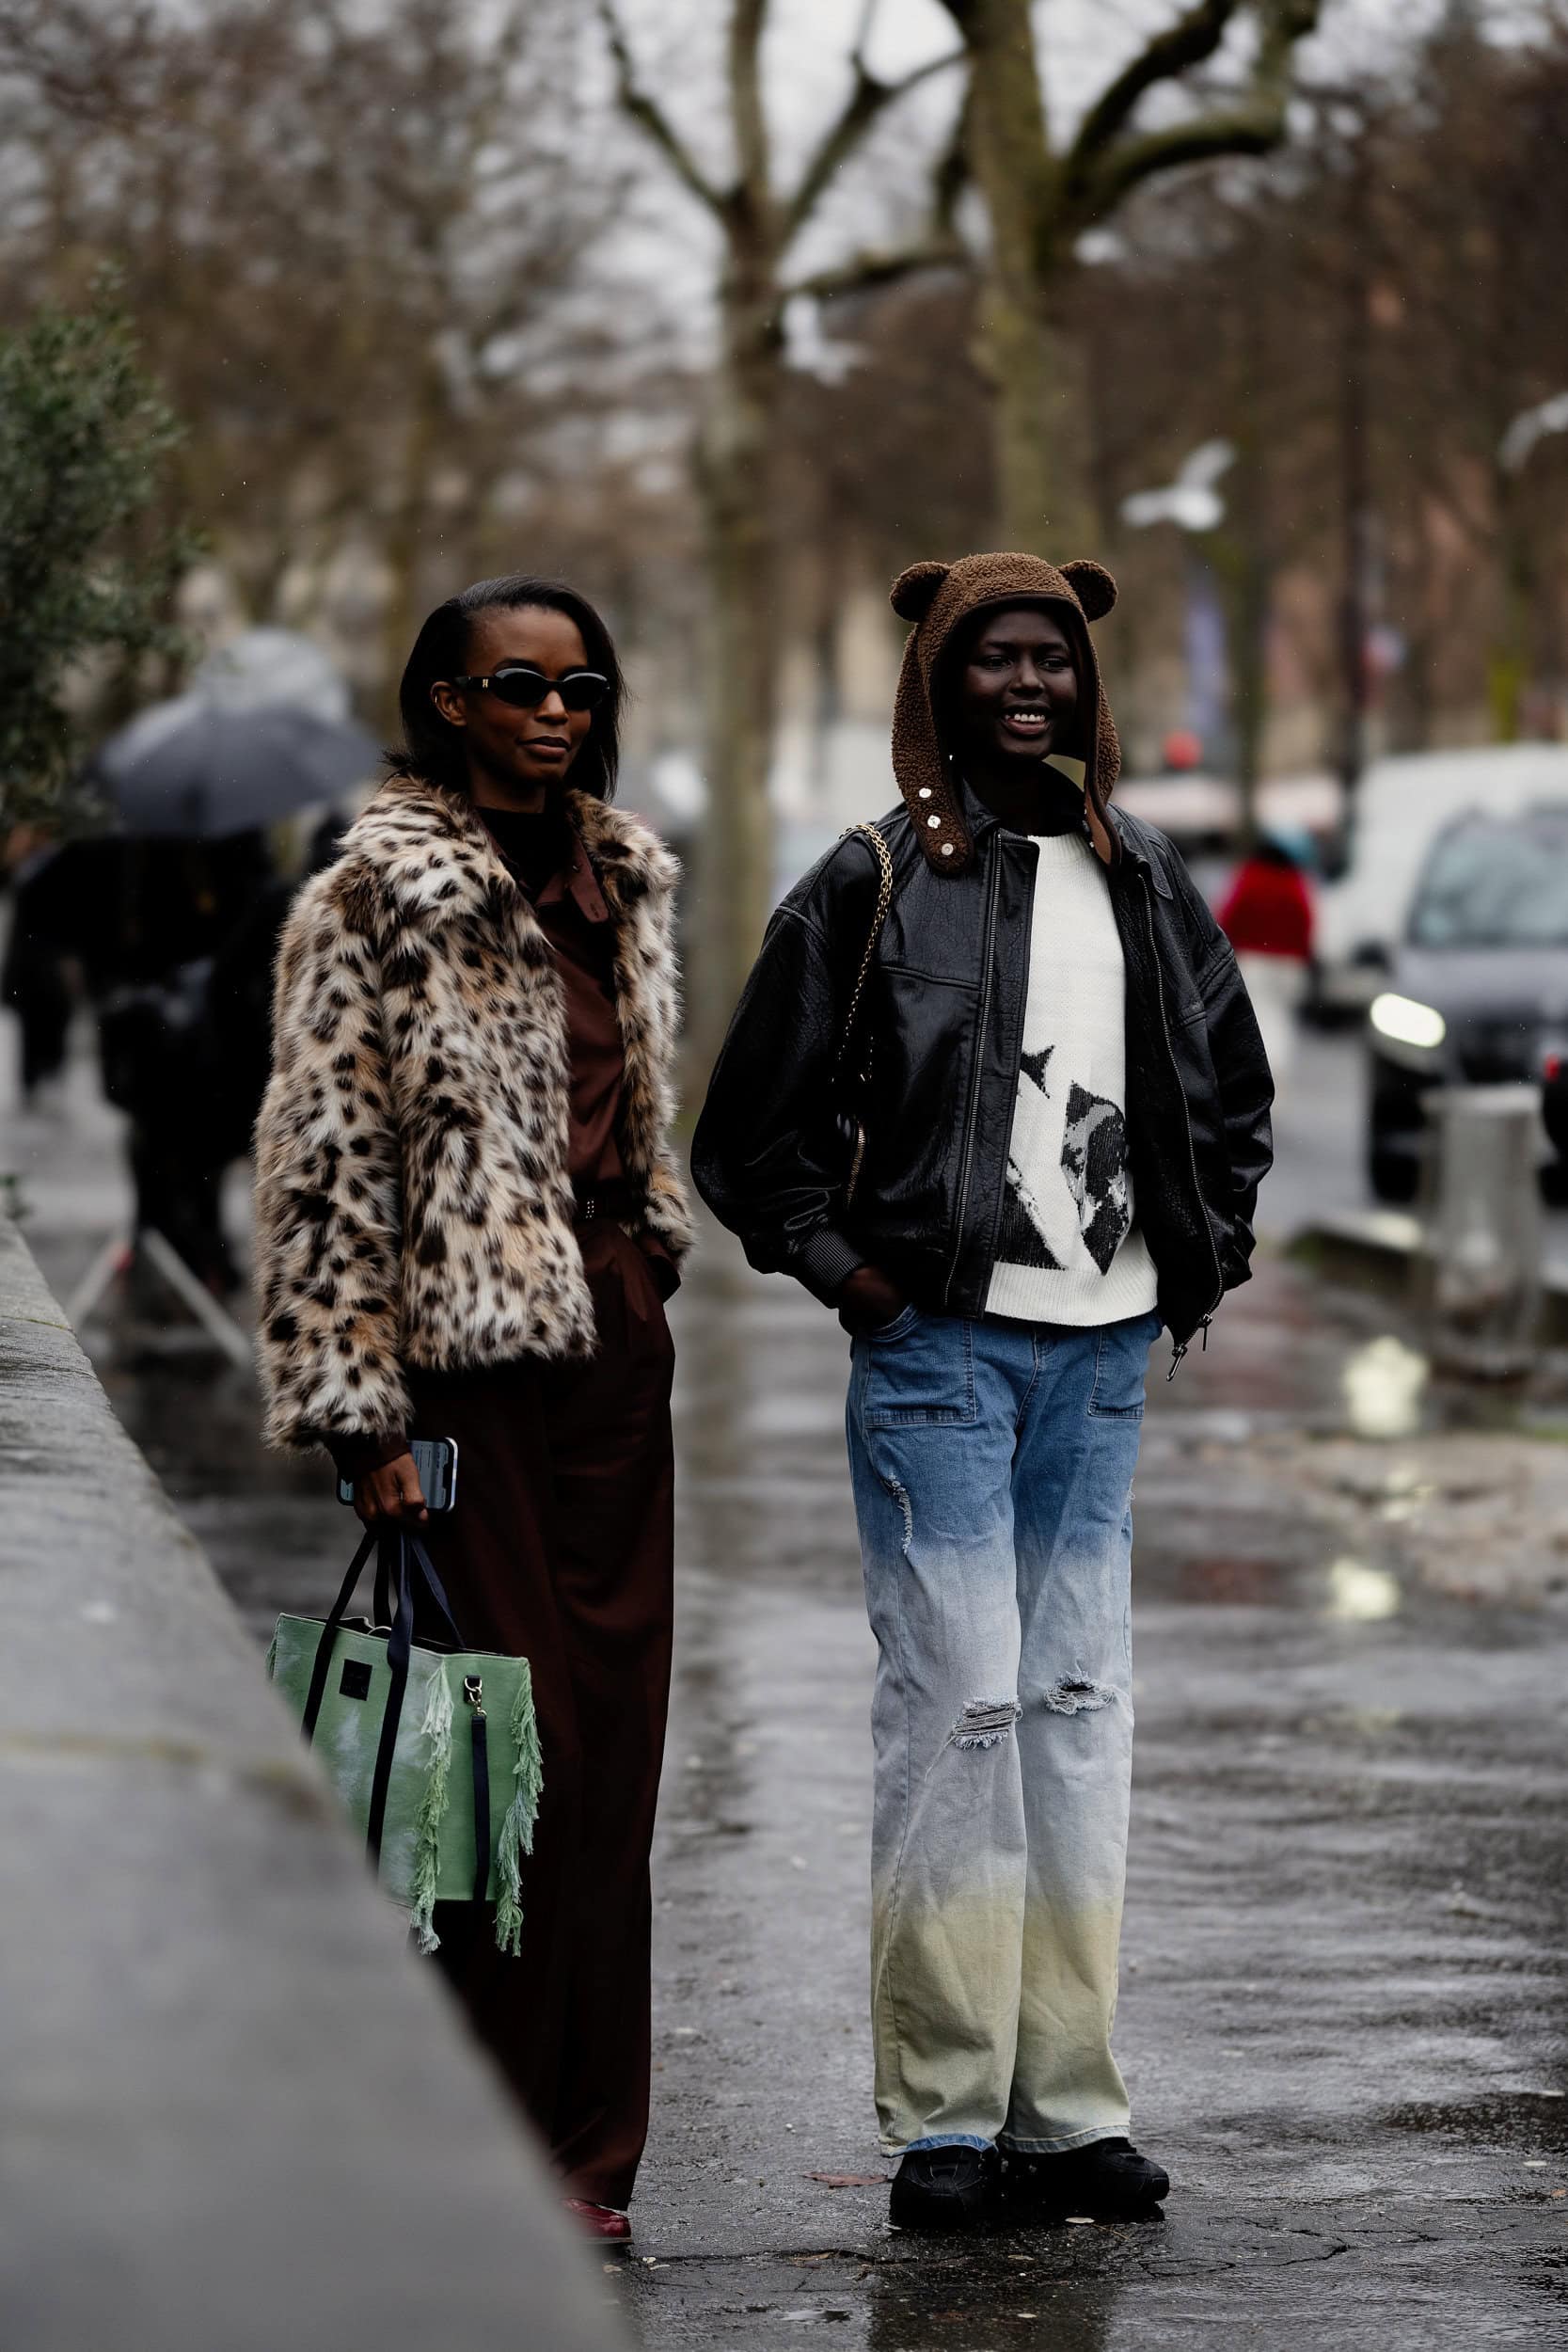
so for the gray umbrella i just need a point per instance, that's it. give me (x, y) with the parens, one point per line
(195, 769)
(273, 665)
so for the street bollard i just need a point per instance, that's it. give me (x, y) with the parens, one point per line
(1481, 1269)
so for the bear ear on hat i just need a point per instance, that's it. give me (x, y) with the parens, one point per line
(912, 591)
(1093, 586)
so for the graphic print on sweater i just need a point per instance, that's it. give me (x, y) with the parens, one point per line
(1022, 1238)
(1094, 1160)
(1068, 1249)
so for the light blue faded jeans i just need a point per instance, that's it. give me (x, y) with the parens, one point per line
(992, 1468)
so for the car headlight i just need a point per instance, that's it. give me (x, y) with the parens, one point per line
(1408, 1023)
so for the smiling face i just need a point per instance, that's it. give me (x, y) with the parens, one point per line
(516, 755)
(1016, 692)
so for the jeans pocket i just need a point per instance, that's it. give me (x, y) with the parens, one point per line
(1121, 1363)
(919, 1371)
(903, 1321)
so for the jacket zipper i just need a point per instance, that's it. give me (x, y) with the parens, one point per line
(1181, 1348)
(987, 950)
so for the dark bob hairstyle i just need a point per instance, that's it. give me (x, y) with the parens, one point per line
(432, 748)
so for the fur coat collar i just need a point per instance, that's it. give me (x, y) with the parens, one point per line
(413, 1203)
(436, 861)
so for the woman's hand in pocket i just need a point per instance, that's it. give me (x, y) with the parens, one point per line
(390, 1494)
(868, 1301)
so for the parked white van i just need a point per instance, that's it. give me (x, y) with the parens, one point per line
(1402, 805)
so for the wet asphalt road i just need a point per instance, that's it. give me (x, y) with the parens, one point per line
(1344, 2016)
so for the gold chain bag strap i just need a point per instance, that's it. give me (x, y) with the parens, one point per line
(854, 1120)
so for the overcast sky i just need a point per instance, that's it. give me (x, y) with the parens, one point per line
(1082, 43)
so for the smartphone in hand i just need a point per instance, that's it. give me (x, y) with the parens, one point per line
(436, 1464)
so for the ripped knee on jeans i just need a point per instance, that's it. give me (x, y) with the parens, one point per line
(984, 1723)
(1075, 1695)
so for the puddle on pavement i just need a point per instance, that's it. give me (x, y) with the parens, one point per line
(1359, 1594)
(1346, 1590)
(1529, 2123)
(1256, 1583)
(1383, 1384)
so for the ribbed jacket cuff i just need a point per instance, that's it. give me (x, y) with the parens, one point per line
(825, 1262)
(356, 1456)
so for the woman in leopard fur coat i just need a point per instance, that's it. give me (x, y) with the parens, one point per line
(467, 1220)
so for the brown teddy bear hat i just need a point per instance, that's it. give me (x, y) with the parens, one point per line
(937, 597)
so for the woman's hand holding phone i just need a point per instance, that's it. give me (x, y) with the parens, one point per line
(390, 1494)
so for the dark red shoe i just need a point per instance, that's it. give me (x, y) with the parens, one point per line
(600, 2220)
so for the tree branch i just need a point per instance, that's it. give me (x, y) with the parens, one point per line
(863, 273)
(650, 117)
(950, 175)
(1193, 37)
(748, 115)
(1248, 131)
(1254, 124)
(940, 247)
(868, 100)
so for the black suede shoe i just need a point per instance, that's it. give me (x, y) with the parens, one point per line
(1107, 2180)
(945, 2188)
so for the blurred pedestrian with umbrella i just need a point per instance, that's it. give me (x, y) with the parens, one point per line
(198, 770)
(33, 975)
(175, 913)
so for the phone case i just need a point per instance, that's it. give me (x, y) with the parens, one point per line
(436, 1460)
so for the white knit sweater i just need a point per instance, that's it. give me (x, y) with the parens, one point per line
(1068, 1249)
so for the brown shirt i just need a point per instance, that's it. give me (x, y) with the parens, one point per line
(545, 856)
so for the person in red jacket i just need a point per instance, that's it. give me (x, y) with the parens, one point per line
(1267, 917)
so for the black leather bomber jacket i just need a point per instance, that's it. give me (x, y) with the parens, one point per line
(944, 1013)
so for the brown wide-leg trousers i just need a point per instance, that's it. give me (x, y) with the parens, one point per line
(559, 1549)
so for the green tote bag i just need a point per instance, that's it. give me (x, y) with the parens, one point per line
(447, 1814)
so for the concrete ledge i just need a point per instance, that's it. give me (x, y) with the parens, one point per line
(233, 2111)
(1379, 1249)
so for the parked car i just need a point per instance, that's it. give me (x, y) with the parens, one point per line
(1402, 805)
(1476, 993)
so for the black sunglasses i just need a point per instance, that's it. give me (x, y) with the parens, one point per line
(525, 688)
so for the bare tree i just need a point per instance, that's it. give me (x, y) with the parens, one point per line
(357, 256)
(1040, 198)
(1472, 189)
(760, 223)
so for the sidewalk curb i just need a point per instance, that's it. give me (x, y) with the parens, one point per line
(233, 2111)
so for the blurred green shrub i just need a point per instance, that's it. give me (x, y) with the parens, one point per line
(87, 568)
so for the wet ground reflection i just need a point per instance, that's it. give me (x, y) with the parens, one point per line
(1348, 1872)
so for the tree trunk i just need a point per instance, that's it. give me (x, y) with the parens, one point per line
(1013, 344)
(1249, 651)
(1508, 664)
(403, 537)
(1012, 353)
(1237, 562)
(1250, 577)
(734, 865)
(1354, 486)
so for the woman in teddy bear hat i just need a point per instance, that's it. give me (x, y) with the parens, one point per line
(995, 1092)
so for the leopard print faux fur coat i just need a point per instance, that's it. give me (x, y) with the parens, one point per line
(412, 1200)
